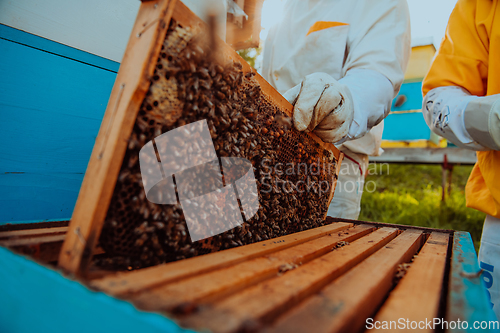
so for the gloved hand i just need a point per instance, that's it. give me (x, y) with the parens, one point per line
(468, 121)
(323, 105)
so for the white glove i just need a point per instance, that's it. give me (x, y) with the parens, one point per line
(468, 121)
(482, 121)
(323, 105)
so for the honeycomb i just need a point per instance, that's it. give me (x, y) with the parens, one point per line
(292, 170)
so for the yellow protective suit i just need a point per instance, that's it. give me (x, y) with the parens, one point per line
(469, 57)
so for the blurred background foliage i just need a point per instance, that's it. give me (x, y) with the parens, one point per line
(411, 194)
(251, 56)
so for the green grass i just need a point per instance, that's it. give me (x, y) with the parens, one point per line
(411, 195)
(250, 55)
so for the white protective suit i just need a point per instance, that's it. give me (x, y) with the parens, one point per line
(366, 47)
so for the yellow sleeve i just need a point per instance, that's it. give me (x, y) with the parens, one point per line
(462, 59)
(482, 191)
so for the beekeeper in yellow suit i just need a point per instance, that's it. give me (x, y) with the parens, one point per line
(341, 63)
(462, 104)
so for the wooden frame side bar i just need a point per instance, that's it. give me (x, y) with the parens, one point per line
(126, 97)
(32, 232)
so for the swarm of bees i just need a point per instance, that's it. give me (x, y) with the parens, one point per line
(188, 86)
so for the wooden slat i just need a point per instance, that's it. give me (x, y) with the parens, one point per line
(132, 282)
(32, 232)
(34, 225)
(215, 285)
(41, 244)
(417, 296)
(401, 227)
(41, 252)
(467, 297)
(126, 97)
(267, 300)
(344, 305)
(32, 240)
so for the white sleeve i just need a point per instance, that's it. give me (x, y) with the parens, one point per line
(379, 47)
(372, 95)
(443, 109)
(380, 39)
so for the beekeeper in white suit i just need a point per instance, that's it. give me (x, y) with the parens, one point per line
(341, 63)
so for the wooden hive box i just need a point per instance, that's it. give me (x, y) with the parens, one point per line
(328, 279)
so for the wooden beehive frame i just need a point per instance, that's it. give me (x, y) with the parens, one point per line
(130, 88)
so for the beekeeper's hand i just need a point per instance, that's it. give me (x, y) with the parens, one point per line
(323, 105)
(468, 121)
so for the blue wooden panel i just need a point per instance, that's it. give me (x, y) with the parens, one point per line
(413, 93)
(32, 197)
(467, 296)
(34, 298)
(51, 142)
(51, 108)
(406, 127)
(47, 45)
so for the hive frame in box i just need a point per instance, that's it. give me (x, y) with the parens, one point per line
(127, 95)
(444, 281)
